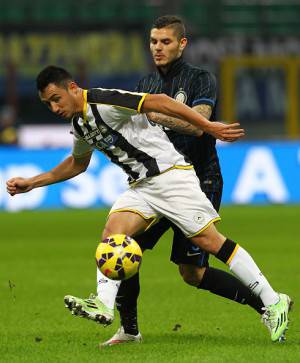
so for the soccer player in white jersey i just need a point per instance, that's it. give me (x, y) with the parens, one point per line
(161, 180)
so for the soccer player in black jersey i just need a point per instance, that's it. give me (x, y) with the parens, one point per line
(196, 88)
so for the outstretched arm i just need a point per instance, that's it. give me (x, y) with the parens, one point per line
(166, 105)
(181, 126)
(69, 168)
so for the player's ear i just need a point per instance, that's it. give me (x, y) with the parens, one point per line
(183, 43)
(73, 87)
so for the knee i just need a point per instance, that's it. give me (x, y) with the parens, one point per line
(106, 232)
(209, 240)
(192, 275)
(113, 226)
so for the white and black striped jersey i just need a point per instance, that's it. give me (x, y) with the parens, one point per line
(113, 124)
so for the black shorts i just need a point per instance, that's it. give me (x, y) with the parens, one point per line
(183, 250)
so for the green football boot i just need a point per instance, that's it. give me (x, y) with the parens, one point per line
(91, 308)
(275, 317)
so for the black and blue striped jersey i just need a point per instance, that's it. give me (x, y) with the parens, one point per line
(192, 86)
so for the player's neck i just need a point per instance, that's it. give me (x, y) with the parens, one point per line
(165, 69)
(80, 101)
(168, 67)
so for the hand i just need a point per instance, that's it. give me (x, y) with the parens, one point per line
(225, 132)
(18, 185)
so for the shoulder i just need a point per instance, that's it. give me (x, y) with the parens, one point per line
(201, 80)
(101, 95)
(115, 97)
(199, 72)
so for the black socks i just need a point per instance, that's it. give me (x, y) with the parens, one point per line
(126, 303)
(226, 285)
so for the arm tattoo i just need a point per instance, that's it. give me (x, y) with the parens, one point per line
(204, 110)
(179, 125)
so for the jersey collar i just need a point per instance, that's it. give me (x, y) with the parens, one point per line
(174, 69)
(84, 112)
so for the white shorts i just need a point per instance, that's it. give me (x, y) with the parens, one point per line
(176, 195)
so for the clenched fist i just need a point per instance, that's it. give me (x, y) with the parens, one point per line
(18, 185)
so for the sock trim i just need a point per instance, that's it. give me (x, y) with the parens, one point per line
(226, 250)
(232, 254)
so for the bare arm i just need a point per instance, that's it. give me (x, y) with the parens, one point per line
(67, 169)
(179, 125)
(163, 104)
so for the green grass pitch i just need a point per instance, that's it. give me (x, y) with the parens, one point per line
(45, 255)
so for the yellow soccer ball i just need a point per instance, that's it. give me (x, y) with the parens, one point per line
(119, 257)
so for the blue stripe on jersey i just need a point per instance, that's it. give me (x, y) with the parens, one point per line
(204, 100)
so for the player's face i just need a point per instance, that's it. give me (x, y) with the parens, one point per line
(60, 100)
(165, 46)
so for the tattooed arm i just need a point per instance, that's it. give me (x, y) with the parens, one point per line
(179, 125)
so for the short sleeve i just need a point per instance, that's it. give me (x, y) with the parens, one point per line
(80, 147)
(116, 97)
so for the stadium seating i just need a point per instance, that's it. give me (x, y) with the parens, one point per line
(205, 16)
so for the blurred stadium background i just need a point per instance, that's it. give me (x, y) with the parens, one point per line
(253, 46)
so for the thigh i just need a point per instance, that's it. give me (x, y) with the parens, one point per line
(148, 239)
(128, 223)
(130, 214)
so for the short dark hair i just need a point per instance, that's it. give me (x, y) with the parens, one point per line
(52, 74)
(171, 21)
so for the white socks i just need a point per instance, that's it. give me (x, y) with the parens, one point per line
(107, 289)
(243, 266)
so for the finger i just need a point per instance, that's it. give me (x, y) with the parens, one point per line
(231, 139)
(234, 124)
(233, 133)
(11, 180)
(11, 190)
(12, 185)
(235, 138)
(229, 129)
